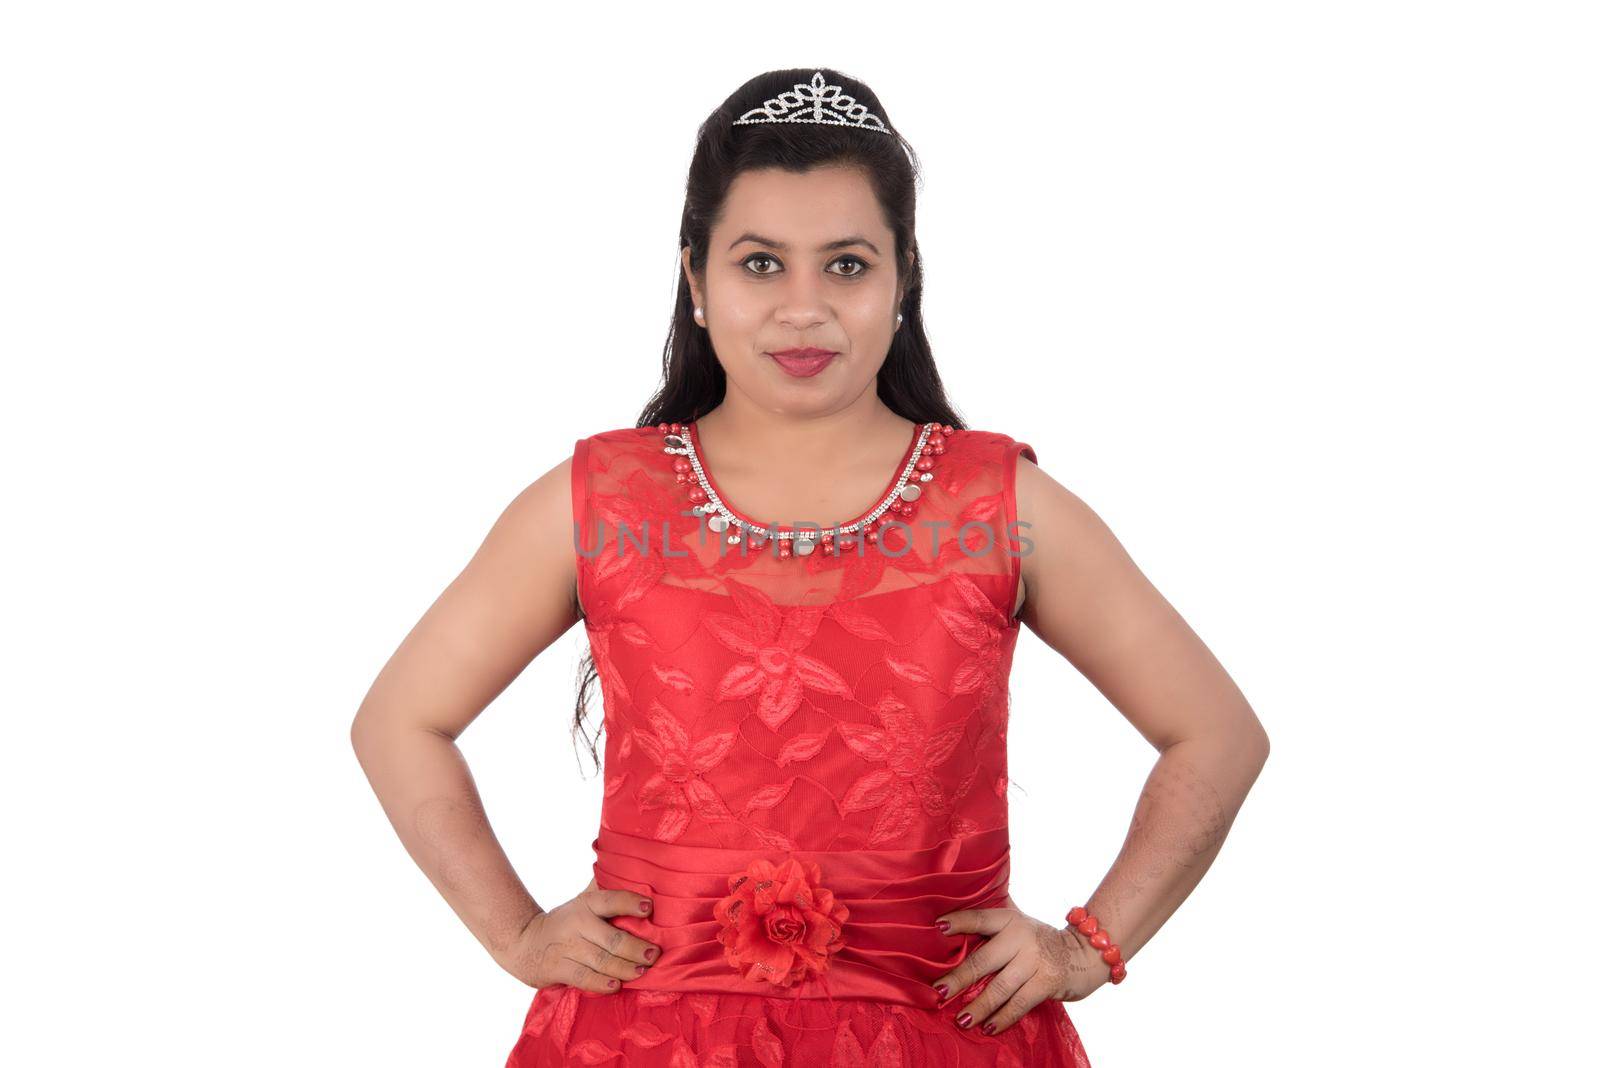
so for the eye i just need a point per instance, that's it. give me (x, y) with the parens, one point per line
(860, 263)
(860, 266)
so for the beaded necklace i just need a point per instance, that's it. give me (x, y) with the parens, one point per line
(681, 440)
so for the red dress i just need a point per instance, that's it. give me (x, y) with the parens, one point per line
(805, 764)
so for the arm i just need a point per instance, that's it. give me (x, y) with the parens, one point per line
(514, 598)
(1088, 600)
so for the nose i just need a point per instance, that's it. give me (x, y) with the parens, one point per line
(801, 303)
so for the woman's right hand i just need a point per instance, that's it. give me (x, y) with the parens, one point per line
(574, 943)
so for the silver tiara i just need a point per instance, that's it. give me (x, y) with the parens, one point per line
(816, 101)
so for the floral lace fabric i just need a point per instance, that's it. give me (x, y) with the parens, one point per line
(805, 764)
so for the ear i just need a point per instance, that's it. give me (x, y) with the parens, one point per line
(688, 274)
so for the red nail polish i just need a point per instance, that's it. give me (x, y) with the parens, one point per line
(613, 982)
(644, 906)
(943, 925)
(943, 990)
(650, 954)
(639, 969)
(964, 1020)
(988, 1028)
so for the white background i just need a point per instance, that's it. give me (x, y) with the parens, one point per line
(297, 296)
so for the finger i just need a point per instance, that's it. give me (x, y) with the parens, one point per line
(975, 921)
(616, 902)
(576, 973)
(1014, 1008)
(597, 958)
(620, 944)
(991, 956)
(1001, 987)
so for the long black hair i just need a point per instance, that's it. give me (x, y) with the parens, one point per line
(692, 381)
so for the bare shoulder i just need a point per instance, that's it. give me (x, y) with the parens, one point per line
(1091, 602)
(546, 500)
(1047, 505)
(523, 576)
(514, 597)
(537, 527)
(1072, 549)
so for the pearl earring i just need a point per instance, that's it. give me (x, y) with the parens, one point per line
(699, 314)
(898, 318)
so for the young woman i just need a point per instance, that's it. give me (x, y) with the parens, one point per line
(802, 578)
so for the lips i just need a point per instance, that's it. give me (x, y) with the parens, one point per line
(802, 363)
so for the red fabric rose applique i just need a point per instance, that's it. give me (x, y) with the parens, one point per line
(779, 924)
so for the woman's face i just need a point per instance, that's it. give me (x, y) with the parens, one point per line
(800, 261)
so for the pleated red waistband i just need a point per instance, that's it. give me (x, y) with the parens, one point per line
(886, 948)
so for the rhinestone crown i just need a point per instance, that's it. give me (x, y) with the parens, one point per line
(814, 101)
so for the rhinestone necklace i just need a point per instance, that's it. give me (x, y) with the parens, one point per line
(679, 439)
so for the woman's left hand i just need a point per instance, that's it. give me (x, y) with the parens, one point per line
(1026, 961)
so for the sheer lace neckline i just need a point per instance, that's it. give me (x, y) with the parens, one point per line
(693, 431)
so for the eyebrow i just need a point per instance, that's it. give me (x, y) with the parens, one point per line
(843, 242)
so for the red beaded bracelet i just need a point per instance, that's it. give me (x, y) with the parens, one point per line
(1100, 939)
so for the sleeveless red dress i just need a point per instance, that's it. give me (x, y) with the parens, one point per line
(805, 764)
